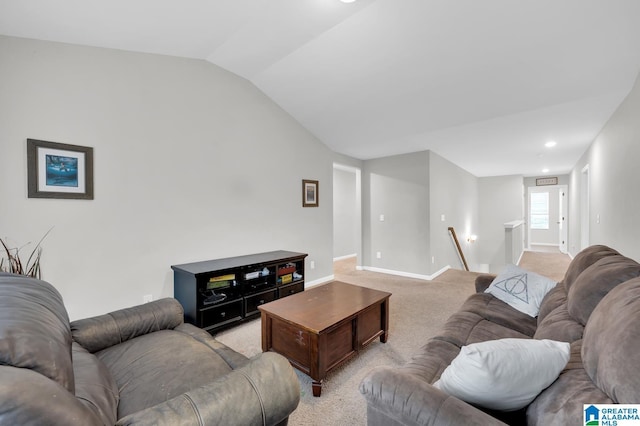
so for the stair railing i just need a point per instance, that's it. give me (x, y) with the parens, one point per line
(455, 239)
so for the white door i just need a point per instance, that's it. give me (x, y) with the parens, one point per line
(562, 223)
(584, 208)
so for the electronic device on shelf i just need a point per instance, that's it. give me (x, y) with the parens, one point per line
(214, 298)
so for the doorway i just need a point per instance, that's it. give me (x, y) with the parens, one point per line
(547, 218)
(347, 216)
(584, 208)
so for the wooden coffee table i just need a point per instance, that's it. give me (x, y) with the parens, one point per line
(321, 328)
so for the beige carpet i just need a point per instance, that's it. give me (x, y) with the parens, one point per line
(418, 309)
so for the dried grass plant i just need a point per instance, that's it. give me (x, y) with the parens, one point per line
(14, 263)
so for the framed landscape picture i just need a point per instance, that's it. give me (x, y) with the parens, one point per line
(309, 193)
(58, 170)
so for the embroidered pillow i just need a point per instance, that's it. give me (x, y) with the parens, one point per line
(522, 290)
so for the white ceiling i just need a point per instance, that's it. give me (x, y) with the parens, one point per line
(483, 83)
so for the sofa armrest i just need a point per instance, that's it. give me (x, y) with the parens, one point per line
(483, 282)
(100, 332)
(408, 400)
(263, 392)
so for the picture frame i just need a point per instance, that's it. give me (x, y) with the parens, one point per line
(310, 194)
(59, 170)
(546, 181)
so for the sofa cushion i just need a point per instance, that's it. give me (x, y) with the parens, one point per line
(556, 297)
(464, 328)
(559, 325)
(596, 281)
(612, 343)
(231, 357)
(491, 309)
(562, 402)
(583, 260)
(431, 360)
(34, 329)
(521, 289)
(156, 367)
(505, 374)
(95, 387)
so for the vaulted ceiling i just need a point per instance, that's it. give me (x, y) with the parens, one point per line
(483, 83)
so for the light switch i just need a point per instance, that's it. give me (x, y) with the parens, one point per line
(442, 218)
(381, 218)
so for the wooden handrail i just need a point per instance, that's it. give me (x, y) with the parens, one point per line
(455, 239)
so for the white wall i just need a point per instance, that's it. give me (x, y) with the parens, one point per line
(501, 201)
(413, 191)
(614, 182)
(454, 194)
(191, 163)
(398, 188)
(346, 220)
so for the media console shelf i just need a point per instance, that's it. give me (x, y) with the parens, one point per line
(221, 292)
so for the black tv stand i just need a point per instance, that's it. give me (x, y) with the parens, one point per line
(219, 293)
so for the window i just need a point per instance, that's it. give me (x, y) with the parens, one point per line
(539, 208)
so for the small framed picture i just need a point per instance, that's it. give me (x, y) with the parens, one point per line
(546, 181)
(309, 193)
(58, 170)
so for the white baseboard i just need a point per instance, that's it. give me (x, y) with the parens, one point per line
(405, 274)
(348, 256)
(322, 280)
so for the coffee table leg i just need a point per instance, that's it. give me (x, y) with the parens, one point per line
(316, 387)
(385, 321)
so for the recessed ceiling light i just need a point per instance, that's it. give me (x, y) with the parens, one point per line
(550, 144)
(545, 170)
(347, 1)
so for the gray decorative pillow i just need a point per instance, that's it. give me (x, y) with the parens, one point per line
(522, 290)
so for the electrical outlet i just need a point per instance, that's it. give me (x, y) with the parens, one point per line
(147, 298)
(379, 255)
(433, 259)
(312, 264)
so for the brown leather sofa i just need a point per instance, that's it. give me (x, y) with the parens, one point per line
(137, 366)
(596, 308)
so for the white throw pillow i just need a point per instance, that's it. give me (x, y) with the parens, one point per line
(505, 374)
(522, 290)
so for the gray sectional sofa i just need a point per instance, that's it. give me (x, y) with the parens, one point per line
(595, 308)
(137, 366)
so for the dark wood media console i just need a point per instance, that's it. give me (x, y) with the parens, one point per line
(222, 292)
